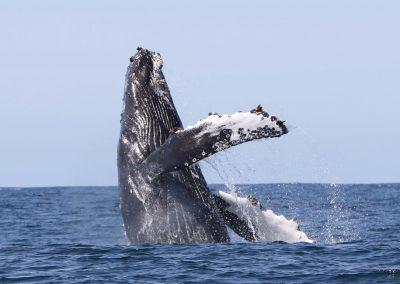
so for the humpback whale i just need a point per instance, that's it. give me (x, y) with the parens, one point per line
(164, 197)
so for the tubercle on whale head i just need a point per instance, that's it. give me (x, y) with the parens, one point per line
(145, 84)
(146, 60)
(144, 75)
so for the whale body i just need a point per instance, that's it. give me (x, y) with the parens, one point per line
(163, 194)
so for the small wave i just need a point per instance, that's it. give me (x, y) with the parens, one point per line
(390, 274)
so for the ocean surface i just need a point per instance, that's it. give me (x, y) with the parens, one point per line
(75, 235)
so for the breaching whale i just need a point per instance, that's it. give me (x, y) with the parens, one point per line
(164, 196)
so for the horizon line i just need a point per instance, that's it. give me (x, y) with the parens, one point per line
(218, 184)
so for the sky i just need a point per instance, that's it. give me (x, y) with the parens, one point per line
(329, 68)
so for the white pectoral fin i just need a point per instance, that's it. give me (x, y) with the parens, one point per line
(211, 135)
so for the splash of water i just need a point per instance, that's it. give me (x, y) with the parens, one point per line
(265, 225)
(338, 226)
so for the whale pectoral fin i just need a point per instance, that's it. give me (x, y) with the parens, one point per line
(209, 136)
(239, 225)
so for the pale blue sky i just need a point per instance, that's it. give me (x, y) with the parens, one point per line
(331, 68)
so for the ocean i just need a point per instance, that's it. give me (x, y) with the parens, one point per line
(75, 235)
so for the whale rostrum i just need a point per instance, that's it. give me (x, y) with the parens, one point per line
(164, 196)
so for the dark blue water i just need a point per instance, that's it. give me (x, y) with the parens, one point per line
(75, 235)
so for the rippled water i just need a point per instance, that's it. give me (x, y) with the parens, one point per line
(76, 235)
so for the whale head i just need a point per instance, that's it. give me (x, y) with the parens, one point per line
(148, 113)
(144, 65)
